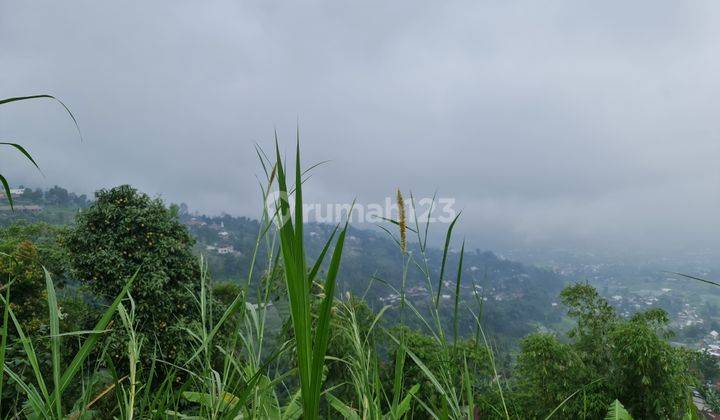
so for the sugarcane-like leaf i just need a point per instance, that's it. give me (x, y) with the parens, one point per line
(448, 235)
(616, 411)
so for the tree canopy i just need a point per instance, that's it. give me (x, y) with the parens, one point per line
(608, 357)
(126, 233)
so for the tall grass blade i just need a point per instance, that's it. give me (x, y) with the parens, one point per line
(399, 368)
(321, 257)
(54, 339)
(24, 152)
(34, 398)
(427, 222)
(299, 240)
(44, 96)
(694, 278)
(3, 339)
(6, 188)
(322, 335)
(30, 353)
(457, 293)
(448, 235)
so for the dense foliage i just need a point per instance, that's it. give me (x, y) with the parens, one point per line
(126, 234)
(607, 358)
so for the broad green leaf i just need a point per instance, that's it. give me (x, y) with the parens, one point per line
(616, 411)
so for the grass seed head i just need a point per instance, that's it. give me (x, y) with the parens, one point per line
(402, 221)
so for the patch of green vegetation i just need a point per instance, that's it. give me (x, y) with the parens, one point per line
(304, 333)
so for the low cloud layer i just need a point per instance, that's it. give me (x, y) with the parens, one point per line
(555, 123)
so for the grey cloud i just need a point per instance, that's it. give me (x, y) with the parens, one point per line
(558, 122)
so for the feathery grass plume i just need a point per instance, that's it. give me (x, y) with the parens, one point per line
(402, 221)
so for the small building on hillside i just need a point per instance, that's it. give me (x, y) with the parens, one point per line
(225, 250)
(31, 208)
(14, 192)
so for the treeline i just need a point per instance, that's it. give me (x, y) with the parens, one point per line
(55, 196)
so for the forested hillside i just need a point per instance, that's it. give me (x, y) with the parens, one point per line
(518, 299)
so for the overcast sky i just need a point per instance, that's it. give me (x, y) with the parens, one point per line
(550, 123)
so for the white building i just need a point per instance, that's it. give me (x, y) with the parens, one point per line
(226, 250)
(14, 192)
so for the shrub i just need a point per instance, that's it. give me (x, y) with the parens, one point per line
(23, 268)
(126, 232)
(608, 358)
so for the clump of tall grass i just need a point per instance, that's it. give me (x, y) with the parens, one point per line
(311, 341)
(364, 366)
(134, 346)
(44, 401)
(455, 402)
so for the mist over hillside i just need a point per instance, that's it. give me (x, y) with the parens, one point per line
(519, 287)
(518, 298)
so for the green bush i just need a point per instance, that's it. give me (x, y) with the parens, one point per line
(126, 233)
(608, 358)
